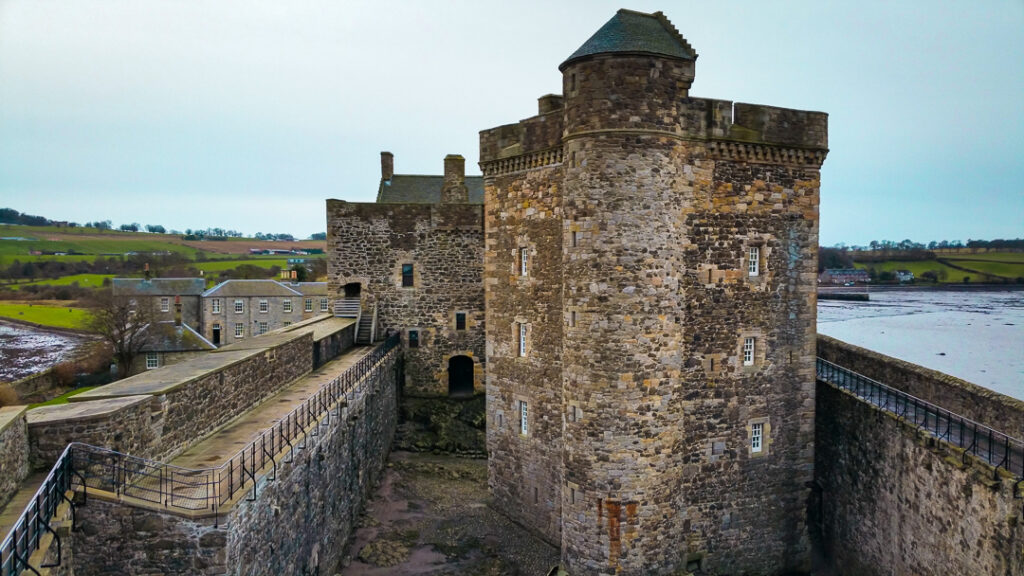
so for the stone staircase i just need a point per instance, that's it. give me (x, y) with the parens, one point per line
(364, 332)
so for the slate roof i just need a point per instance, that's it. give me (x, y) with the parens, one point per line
(158, 286)
(636, 32)
(308, 288)
(166, 337)
(243, 288)
(417, 189)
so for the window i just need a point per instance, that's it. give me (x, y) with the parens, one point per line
(756, 436)
(524, 254)
(264, 328)
(753, 260)
(748, 351)
(215, 306)
(287, 323)
(286, 306)
(524, 418)
(575, 238)
(152, 360)
(309, 305)
(323, 304)
(165, 304)
(407, 280)
(460, 320)
(239, 306)
(414, 338)
(239, 330)
(572, 319)
(264, 306)
(522, 340)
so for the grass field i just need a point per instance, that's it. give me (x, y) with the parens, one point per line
(1003, 269)
(952, 275)
(45, 313)
(84, 281)
(63, 398)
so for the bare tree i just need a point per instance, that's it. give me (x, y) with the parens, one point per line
(122, 323)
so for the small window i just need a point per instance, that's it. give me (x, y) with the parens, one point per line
(748, 351)
(264, 328)
(239, 306)
(572, 83)
(264, 306)
(414, 338)
(522, 340)
(323, 304)
(524, 418)
(575, 239)
(753, 260)
(407, 280)
(309, 304)
(572, 319)
(165, 304)
(286, 306)
(152, 360)
(460, 320)
(215, 306)
(239, 330)
(287, 323)
(501, 420)
(524, 255)
(756, 436)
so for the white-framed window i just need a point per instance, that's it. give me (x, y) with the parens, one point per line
(264, 328)
(756, 436)
(524, 256)
(286, 306)
(239, 306)
(309, 304)
(264, 306)
(152, 360)
(323, 305)
(754, 260)
(165, 304)
(215, 306)
(287, 323)
(748, 351)
(239, 330)
(524, 418)
(521, 348)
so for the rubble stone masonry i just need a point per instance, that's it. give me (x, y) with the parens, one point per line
(14, 450)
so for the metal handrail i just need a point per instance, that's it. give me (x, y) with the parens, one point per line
(170, 486)
(991, 446)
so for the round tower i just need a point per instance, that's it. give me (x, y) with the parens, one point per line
(625, 199)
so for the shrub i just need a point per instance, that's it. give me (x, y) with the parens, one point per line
(8, 397)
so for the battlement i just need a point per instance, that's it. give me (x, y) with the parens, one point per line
(531, 135)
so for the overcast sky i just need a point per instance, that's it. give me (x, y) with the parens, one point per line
(247, 115)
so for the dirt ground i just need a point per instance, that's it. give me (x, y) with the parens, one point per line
(429, 516)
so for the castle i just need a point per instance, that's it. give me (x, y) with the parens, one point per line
(637, 283)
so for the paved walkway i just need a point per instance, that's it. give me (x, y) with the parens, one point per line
(13, 509)
(227, 441)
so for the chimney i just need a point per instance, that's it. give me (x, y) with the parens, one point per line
(177, 311)
(146, 268)
(387, 165)
(454, 190)
(295, 275)
(549, 103)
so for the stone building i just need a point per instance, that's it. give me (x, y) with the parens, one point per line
(650, 287)
(237, 309)
(413, 261)
(169, 342)
(160, 294)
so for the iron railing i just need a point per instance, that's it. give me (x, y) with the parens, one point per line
(996, 448)
(82, 466)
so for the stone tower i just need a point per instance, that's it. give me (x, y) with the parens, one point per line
(649, 278)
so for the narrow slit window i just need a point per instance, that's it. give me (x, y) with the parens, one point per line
(522, 340)
(575, 239)
(572, 319)
(754, 261)
(756, 436)
(748, 351)
(524, 254)
(407, 279)
(524, 418)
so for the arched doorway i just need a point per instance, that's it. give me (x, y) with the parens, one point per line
(353, 289)
(460, 376)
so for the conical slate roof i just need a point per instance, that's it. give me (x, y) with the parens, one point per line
(636, 32)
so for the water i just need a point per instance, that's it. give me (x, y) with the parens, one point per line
(976, 335)
(25, 350)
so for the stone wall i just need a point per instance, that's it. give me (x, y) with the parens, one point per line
(369, 243)
(895, 501)
(14, 451)
(982, 405)
(38, 387)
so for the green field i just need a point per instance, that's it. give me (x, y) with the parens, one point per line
(84, 281)
(45, 314)
(952, 275)
(987, 256)
(63, 398)
(222, 265)
(1003, 269)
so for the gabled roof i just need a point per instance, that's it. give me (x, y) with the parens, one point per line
(158, 286)
(417, 189)
(166, 337)
(636, 32)
(308, 288)
(243, 288)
